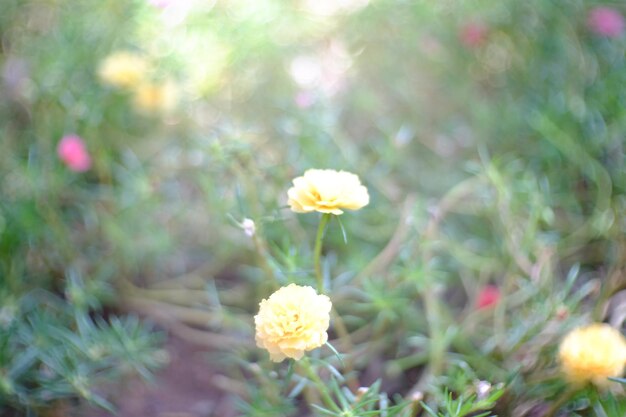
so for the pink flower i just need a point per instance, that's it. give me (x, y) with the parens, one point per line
(474, 34)
(487, 297)
(161, 4)
(304, 99)
(73, 152)
(605, 21)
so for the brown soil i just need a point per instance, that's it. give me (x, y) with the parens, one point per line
(184, 388)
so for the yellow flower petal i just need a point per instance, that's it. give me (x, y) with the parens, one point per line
(155, 98)
(291, 321)
(593, 354)
(327, 191)
(123, 69)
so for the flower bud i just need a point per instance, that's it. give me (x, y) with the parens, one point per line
(248, 226)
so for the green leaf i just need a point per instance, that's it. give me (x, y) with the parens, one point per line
(302, 383)
(620, 380)
(23, 362)
(428, 409)
(343, 230)
(323, 410)
(332, 348)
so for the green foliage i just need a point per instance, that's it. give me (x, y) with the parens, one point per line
(51, 350)
(466, 406)
(370, 403)
(498, 161)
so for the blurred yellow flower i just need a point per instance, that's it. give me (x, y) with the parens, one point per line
(291, 321)
(327, 191)
(123, 69)
(155, 98)
(592, 354)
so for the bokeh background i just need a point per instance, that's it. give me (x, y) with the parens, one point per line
(137, 136)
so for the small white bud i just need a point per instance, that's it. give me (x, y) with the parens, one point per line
(416, 396)
(482, 389)
(360, 393)
(248, 227)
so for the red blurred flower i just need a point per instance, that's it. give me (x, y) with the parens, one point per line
(73, 152)
(473, 34)
(605, 21)
(488, 296)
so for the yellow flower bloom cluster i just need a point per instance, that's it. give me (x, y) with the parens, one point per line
(129, 71)
(327, 191)
(592, 354)
(291, 321)
(153, 98)
(123, 69)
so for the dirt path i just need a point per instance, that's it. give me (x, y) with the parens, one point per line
(184, 388)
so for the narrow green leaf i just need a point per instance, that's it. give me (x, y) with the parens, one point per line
(428, 409)
(343, 230)
(620, 380)
(332, 348)
(323, 410)
(298, 388)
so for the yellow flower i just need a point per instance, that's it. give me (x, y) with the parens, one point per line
(291, 321)
(593, 354)
(327, 191)
(123, 69)
(154, 98)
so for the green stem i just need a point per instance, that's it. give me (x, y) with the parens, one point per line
(319, 384)
(290, 369)
(560, 402)
(436, 330)
(605, 296)
(344, 337)
(262, 255)
(438, 344)
(317, 252)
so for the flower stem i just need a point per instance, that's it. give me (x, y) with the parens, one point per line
(262, 256)
(436, 330)
(317, 251)
(319, 384)
(560, 402)
(288, 376)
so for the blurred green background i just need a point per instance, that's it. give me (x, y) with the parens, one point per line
(502, 123)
